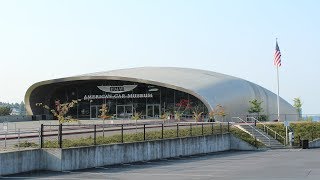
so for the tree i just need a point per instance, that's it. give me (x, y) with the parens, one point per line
(197, 114)
(255, 108)
(22, 108)
(5, 110)
(298, 104)
(183, 105)
(217, 111)
(104, 112)
(61, 110)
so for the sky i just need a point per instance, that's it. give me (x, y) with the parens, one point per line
(42, 40)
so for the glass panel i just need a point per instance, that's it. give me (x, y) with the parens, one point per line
(156, 111)
(93, 112)
(149, 111)
(128, 111)
(165, 97)
(120, 111)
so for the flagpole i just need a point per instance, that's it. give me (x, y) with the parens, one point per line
(277, 62)
(286, 141)
(278, 94)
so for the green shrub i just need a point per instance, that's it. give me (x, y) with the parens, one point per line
(304, 130)
(27, 144)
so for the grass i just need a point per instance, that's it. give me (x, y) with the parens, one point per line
(27, 144)
(246, 137)
(195, 130)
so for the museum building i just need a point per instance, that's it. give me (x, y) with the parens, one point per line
(152, 92)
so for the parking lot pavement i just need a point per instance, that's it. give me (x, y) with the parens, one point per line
(282, 164)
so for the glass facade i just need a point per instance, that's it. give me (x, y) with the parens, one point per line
(123, 99)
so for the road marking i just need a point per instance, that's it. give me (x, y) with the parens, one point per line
(309, 173)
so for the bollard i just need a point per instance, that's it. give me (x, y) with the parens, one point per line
(190, 129)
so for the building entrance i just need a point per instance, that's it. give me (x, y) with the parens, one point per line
(153, 110)
(94, 111)
(124, 111)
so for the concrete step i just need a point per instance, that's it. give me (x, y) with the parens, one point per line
(257, 133)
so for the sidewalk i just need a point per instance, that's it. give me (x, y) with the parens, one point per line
(35, 125)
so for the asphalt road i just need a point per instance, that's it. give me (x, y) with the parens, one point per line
(285, 164)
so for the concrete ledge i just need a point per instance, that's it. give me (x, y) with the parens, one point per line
(20, 161)
(94, 156)
(88, 157)
(314, 144)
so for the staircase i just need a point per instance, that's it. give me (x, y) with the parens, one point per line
(261, 136)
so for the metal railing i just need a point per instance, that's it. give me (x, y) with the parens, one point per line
(62, 136)
(253, 129)
(74, 135)
(16, 139)
(266, 129)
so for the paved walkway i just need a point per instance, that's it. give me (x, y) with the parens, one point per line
(25, 125)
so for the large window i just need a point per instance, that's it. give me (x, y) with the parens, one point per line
(150, 100)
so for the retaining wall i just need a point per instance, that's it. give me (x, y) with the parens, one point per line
(314, 143)
(94, 156)
(20, 161)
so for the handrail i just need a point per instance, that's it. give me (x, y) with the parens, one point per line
(268, 128)
(253, 129)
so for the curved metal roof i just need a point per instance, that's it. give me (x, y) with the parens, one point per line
(210, 87)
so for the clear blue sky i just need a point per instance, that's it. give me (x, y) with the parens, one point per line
(41, 40)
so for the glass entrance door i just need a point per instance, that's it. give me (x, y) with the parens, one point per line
(124, 111)
(94, 111)
(153, 110)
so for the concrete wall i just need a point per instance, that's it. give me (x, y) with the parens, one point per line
(94, 156)
(238, 144)
(314, 143)
(20, 161)
(80, 158)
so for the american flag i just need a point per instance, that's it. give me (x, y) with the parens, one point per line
(277, 56)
